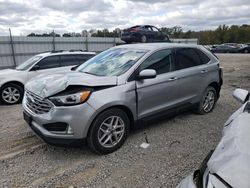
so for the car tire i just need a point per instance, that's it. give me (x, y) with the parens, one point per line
(246, 51)
(11, 94)
(143, 39)
(109, 131)
(208, 101)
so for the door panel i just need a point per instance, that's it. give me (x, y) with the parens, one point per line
(156, 95)
(190, 73)
(189, 85)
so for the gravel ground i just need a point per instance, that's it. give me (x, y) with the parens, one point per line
(177, 146)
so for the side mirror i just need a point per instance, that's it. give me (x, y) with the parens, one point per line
(147, 74)
(74, 68)
(35, 68)
(241, 95)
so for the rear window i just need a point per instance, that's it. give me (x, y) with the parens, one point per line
(204, 58)
(186, 58)
(69, 60)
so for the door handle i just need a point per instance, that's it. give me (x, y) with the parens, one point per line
(203, 71)
(173, 79)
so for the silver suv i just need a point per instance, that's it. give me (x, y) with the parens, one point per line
(105, 97)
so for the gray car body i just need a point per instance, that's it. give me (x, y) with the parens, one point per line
(230, 160)
(140, 98)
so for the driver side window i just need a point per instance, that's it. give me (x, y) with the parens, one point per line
(49, 62)
(159, 61)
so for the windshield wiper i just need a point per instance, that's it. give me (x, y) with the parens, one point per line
(90, 73)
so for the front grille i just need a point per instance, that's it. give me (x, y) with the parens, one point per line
(37, 104)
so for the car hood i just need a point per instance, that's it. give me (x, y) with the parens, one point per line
(231, 158)
(7, 72)
(47, 85)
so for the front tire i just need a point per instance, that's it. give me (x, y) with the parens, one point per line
(208, 101)
(109, 131)
(11, 94)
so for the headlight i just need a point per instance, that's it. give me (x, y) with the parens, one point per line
(71, 99)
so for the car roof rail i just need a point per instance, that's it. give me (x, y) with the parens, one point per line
(56, 51)
(45, 51)
(79, 50)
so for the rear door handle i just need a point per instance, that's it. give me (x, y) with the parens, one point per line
(203, 71)
(173, 79)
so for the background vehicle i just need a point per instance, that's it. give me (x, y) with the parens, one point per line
(106, 95)
(245, 48)
(143, 33)
(12, 81)
(228, 165)
(224, 49)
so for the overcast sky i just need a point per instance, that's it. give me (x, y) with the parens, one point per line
(39, 16)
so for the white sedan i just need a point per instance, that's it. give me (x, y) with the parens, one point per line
(229, 164)
(12, 81)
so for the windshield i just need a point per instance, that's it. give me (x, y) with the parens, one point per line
(28, 63)
(113, 62)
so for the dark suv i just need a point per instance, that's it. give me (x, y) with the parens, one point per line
(143, 33)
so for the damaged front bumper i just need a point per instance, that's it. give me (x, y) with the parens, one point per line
(61, 125)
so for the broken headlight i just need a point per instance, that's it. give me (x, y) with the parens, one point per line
(71, 99)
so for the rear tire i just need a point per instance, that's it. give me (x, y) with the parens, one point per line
(109, 131)
(208, 101)
(11, 94)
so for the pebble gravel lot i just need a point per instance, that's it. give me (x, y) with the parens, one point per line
(177, 146)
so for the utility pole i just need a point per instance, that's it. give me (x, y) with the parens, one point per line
(12, 48)
(53, 41)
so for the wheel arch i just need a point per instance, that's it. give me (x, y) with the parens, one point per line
(13, 82)
(217, 88)
(119, 106)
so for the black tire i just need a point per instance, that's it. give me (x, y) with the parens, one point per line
(201, 109)
(246, 51)
(93, 135)
(19, 90)
(144, 39)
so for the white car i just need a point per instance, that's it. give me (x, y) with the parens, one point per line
(12, 81)
(229, 164)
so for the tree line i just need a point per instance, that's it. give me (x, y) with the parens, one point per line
(222, 34)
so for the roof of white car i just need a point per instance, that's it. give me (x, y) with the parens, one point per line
(65, 53)
(155, 46)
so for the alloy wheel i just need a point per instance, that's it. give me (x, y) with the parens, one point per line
(11, 95)
(111, 131)
(209, 101)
